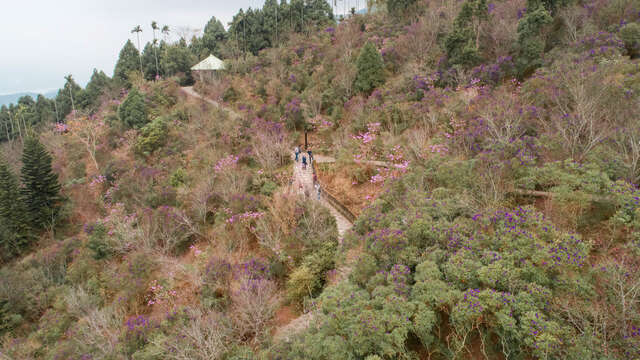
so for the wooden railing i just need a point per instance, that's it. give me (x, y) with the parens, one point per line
(332, 199)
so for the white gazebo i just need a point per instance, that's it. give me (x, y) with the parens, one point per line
(206, 69)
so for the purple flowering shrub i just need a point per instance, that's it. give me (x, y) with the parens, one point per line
(429, 261)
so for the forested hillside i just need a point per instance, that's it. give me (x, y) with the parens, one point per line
(488, 150)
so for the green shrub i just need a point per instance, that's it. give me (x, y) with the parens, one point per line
(99, 243)
(268, 188)
(8, 318)
(133, 112)
(178, 178)
(157, 197)
(630, 35)
(230, 95)
(363, 173)
(214, 297)
(301, 283)
(152, 136)
(53, 326)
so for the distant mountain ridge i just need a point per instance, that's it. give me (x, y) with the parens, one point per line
(13, 98)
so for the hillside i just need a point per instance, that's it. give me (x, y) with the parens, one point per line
(477, 165)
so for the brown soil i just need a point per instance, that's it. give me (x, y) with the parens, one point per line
(353, 196)
(284, 315)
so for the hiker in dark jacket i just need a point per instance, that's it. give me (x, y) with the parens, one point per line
(304, 162)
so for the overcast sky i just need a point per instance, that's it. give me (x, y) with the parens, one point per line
(41, 41)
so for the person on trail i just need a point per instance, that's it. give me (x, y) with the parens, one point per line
(318, 192)
(297, 151)
(304, 162)
(310, 156)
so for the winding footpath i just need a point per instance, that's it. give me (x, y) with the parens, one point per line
(191, 92)
(304, 178)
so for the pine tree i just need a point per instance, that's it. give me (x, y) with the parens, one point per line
(178, 59)
(132, 111)
(13, 235)
(213, 37)
(530, 43)
(41, 190)
(149, 61)
(370, 69)
(128, 61)
(463, 43)
(96, 86)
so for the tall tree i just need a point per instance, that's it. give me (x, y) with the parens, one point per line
(41, 190)
(148, 61)
(154, 27)
(45, 110)
(165, 31)
(69, 79)
(463, 43)
(213, 36)
(12, 214)
(127, 62)
(67, 96)
(178, 60)
(370, 69)
(530, 42)
(96, 86)
(5, 122)
(137, 29)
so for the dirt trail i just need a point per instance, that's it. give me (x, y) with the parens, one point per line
(304, 178)
(191, 92)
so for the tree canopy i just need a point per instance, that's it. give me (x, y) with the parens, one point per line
(370, 69)
(127, 61)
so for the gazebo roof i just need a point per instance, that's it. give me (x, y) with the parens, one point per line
(210, 63)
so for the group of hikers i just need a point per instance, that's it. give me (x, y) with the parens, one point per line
(299, 154)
